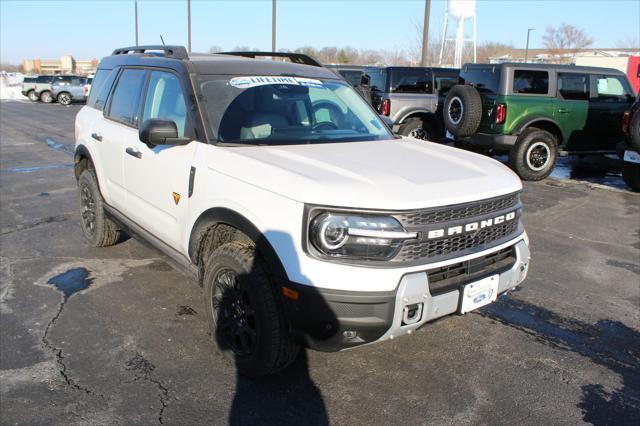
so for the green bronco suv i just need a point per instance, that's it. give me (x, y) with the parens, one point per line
(536, 112)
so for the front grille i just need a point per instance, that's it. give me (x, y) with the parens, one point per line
(450, 277)
(417, 250)
(452, 213)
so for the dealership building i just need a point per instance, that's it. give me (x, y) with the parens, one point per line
(65, 65)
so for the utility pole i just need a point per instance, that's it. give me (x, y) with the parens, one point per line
(273, 26)
(136, 8)
(189, 24)
(425, 33)
(526, 50)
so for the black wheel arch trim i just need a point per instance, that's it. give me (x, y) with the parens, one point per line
(527, 122)
(82, 152)
(419, 114)
(223, 215)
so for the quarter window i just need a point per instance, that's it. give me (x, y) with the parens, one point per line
(125, 100)
(573, 86)
(611, 89)
(531, 82)
(101, 87)
(165, 100)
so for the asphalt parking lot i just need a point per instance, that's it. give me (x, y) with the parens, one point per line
(115, 336)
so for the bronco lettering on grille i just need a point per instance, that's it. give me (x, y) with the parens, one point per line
(470, 227)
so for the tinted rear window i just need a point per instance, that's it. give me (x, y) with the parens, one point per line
(44, 79)
(485, 80)
(410, 81)
(531, 82)
(100, 89)
(352, 76)
(573, 86)
(29, 80)
(377, 79)
(126, 96)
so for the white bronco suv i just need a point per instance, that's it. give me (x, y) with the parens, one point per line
(284, 194)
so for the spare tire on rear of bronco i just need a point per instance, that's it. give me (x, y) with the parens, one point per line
(462, 110)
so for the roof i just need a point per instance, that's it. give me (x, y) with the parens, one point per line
(546, 67)
(177, 58)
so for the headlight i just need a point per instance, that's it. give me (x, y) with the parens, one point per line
(355, 236)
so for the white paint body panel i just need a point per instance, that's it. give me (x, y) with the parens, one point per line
(269, 186)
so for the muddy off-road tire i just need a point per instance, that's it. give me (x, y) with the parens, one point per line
(534, 155)
(462, 110)
(244, 311)
(97, 227)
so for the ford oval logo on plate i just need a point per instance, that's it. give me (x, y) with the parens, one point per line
(479, 298)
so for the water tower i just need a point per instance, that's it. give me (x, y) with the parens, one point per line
(459, 11)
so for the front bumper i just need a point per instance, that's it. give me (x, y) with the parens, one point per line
(331, 320)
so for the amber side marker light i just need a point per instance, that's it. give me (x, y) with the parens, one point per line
(290, 294)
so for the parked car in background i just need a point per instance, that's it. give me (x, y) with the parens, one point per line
(535, 112)
(87, 86)
(69, 90)
(411, 98)
(352, 73)
(44, 85)
(630, 152)
(29, 87)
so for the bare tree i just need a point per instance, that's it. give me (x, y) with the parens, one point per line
(215, 49)
(565, 39)
(491, 49)
(628, 42)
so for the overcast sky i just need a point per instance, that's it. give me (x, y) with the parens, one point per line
(88, 29)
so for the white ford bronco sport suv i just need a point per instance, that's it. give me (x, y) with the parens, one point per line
(288, 198)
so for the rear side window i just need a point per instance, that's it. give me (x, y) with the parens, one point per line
(101, 87)
(485, 80)
(377, 80)
(411, 81)
(444, 84)
(125, 100)
(352, 76)
(531, 82)
(573, 86)
(611, 88)
(44, 79)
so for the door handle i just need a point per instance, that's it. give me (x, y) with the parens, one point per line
(563, 111)
(133, 152)
(97, 136)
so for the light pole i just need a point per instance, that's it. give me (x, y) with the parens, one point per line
(273, 26)
(425, 33)
(189, 24)
(526, 50)
(136, 10)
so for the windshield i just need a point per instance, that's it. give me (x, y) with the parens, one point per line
(269, 110)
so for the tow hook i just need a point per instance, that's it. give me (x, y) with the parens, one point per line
(411, 314)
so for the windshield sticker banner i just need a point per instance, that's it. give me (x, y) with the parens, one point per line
(247, 82)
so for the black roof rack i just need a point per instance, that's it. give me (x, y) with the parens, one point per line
(177, 52)
(297, 58)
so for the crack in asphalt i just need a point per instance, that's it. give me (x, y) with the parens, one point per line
(142, 369)
(44, 221)
(58, 351)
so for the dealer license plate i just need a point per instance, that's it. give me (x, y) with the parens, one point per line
(479, 293)
(632, 156)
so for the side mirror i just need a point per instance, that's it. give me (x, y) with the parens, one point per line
(160, 132)
(388, 121)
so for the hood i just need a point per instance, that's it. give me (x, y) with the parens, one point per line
(398, 174)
